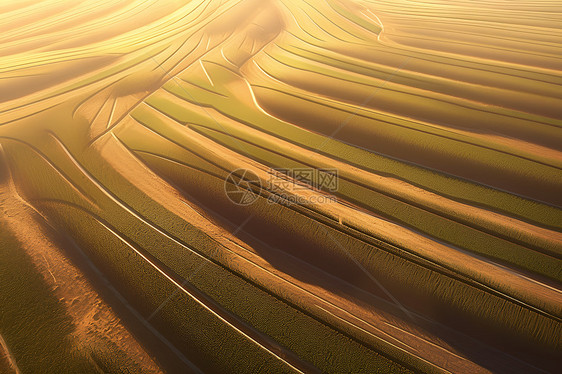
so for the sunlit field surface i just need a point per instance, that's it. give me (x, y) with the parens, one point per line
(121, 250)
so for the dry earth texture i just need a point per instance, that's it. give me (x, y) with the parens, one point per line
(121, 120)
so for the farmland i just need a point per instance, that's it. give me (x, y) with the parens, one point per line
(125, 124)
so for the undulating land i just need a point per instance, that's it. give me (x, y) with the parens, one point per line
(440, 252)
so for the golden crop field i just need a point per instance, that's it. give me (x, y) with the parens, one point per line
(280, 186)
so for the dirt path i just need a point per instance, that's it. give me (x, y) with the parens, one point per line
(95, 322)
(7, 360)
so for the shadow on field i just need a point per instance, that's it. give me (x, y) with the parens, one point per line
(295, 244)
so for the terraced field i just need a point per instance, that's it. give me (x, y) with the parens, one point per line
(124, 125)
